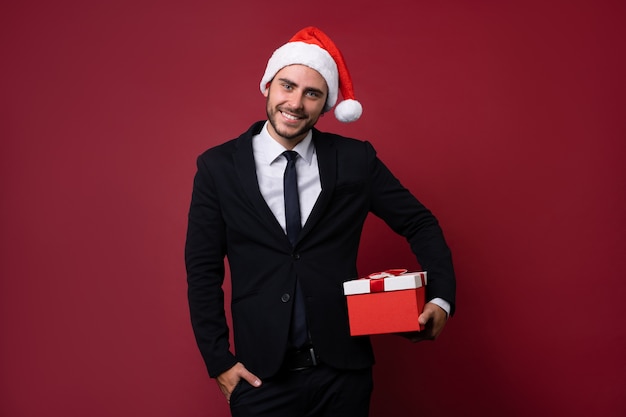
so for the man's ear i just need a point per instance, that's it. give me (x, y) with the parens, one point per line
(267, 89)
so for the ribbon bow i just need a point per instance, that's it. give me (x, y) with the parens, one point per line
(387, 273)
(377, 279)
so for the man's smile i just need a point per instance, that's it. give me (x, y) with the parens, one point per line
(291, 116)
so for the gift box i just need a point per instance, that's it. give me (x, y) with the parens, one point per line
(386, 302)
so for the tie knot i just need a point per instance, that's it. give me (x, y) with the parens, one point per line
(290, 155)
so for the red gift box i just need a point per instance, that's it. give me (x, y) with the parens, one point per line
(386, 302)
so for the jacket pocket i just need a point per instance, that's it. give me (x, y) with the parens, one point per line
(242, 297)
(350, 188)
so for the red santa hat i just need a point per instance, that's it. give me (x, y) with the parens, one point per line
(311, 47)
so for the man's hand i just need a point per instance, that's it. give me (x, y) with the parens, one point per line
(228, 380)
(434, 318)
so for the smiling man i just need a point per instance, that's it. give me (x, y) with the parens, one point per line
(285, 203)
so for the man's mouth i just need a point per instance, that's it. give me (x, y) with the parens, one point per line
(290, 116)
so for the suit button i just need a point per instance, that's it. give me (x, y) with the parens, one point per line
(295, 255)
(285, 297)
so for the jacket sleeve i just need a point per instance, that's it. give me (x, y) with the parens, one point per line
(408, 217)
(205, 250)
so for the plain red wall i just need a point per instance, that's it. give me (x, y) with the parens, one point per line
(507, 119)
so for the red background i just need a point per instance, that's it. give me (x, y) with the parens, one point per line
(507, 119)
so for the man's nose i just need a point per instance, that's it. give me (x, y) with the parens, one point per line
(296, 101)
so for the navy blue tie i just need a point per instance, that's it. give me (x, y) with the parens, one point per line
(299, 333)
(292, 199)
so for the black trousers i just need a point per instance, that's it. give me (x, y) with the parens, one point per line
(319, 391)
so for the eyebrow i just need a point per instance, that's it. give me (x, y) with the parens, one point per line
(288, 81)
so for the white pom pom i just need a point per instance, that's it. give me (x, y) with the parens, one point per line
(348, 111)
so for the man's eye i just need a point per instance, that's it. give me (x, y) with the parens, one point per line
(287, 87)
(313, 94)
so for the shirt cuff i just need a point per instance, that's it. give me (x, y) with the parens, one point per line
(442, 303)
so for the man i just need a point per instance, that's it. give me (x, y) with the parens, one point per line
(290, 225)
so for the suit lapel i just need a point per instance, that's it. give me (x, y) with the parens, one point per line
(246, 170)
(327, 163)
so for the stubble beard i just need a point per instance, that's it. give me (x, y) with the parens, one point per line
(274, 113)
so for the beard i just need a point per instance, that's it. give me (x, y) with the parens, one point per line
(289, 133)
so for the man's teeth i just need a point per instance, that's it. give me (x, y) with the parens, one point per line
(289, 116)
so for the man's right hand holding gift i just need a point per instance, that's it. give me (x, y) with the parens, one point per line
(434, 319)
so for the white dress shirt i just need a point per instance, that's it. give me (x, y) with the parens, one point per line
(270, 168)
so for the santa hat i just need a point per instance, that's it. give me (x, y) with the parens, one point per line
(311, 47)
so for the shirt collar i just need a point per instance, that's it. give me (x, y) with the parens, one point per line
(272, 150)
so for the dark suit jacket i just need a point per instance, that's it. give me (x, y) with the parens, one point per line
(229, 218)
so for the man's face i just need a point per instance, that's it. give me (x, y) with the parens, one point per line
(295, 100)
